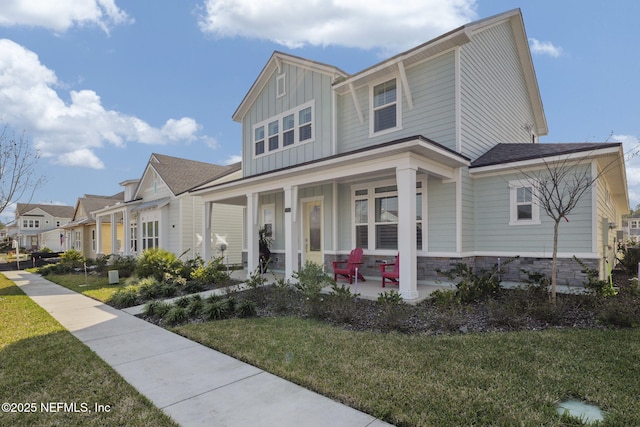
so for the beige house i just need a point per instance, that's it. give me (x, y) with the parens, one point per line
(81, 232)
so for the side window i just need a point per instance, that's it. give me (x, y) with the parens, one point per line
(523, 207)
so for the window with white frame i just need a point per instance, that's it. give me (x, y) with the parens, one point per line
(385, 108)
(523, 207)
(77, 240)
(284, 131)
(30, 223)
(133, 243)
(268, 212)
(150, 235)
(375, 218)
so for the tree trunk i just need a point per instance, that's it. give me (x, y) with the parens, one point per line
(554, 262)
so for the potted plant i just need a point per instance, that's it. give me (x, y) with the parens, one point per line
(264, 244)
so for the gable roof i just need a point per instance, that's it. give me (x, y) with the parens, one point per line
(502, 154)
(182, 175)
(92, 202)
(274, 64)
(57, 211)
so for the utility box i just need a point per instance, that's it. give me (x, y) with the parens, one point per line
(114, 277)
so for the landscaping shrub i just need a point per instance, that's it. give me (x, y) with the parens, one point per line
(340, 303)
(213, 271)
(311, 279)
(149, 288)
(472, 286)
(156, 308)
(175, 315)
(126, 265)
(246, 309)
(596, 286)
(630, 257)
(157, 263)
(195, 307)
(72, 258)
(393, 313)
(124, 297)
(216, 310)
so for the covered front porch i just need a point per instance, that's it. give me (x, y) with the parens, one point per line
(319, 211)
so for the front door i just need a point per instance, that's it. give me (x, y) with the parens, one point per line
(313, 231)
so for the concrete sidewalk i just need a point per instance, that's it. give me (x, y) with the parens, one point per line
(193, 384)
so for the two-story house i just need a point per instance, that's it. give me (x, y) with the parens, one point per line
(34, 219)
(159, 212)
(419, 155)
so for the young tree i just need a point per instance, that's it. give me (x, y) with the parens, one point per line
(558, 187)
(18, 174)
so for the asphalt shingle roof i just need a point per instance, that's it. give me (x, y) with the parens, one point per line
(182, 175)
(57, 211)
(509, 153)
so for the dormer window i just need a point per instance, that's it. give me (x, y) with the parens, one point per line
(385, 106)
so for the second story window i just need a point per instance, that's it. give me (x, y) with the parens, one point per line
(286, 130)
(385, 106)
(273, 136)
(258, 140)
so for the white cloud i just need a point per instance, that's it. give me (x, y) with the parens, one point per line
(362, 24)
(544, 48)
(68, 133)
(235, 158)
(60, 15)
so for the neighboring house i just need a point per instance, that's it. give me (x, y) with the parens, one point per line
(34, 219)
(160, 212)
(631, 226)
(413, 156)
(81, 232)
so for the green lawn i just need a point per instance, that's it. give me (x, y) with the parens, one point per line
(93, 286)
(503, 379)
(43, 367)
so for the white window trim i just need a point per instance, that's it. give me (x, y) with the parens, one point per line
(371, 212)
(296, 130)
(513, 205)
(398, 126)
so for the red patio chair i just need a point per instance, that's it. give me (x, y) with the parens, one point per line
(394, 275)
(349, 269)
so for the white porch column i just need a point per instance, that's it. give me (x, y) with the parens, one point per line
(114, 233)
(406, 181)
(253, 250)
(207, 210)
(98, 235)
(291, 230)
(126, 225)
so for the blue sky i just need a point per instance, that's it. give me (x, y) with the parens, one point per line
(99, 85)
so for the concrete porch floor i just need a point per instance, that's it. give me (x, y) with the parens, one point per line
(370, 289)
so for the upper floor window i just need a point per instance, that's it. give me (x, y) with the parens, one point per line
(385, 107)
(523, 207)
(30, 223)
(283, 131)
